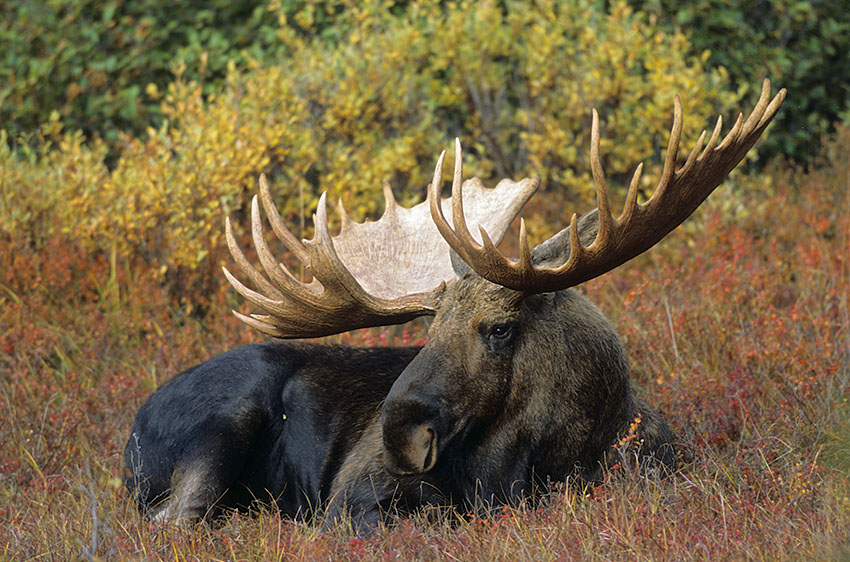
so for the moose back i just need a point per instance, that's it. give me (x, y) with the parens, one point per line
(522, 381)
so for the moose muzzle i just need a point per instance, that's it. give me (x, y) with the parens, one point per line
(410, 434)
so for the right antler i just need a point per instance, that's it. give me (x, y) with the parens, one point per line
(639, 226)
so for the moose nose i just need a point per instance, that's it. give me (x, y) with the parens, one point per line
(414, 451)
(410, 435)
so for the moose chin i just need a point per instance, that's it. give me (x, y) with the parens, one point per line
(522, 381)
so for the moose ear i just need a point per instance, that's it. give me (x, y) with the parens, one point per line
(556, 250)
(459, 266)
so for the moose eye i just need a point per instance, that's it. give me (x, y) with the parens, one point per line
(501, 331)
(501, 334)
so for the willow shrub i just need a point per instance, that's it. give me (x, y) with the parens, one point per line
(371, 95)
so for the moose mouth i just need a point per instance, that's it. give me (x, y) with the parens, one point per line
(418, 455)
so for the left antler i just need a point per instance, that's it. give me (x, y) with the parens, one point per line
(639, 226)
(333, 300)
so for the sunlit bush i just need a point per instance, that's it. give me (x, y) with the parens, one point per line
(515, 82)
(369, 96)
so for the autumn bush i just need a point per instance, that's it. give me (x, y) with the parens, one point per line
(378, 102)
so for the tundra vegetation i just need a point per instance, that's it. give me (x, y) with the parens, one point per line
(736, 325)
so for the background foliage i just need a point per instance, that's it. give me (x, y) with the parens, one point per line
(378, 100)
(91, 61)
(803, 45)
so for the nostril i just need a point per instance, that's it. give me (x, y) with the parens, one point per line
(431, 456)
(425, 448)
(411, 451)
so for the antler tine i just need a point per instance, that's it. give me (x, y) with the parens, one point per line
(391, 205)
(772, 107)
(280, 230)
(605, 219)
(631, 203)
(692, 155)
(639, 227)
(460, 227)
(755, 118)
(268, 304)
(243, 263)
(325, 264)
(712, 141)
(671, 153)
(437, 215)
(732, 135)
(277, 272)
(259, 322)
(345, 220)
(484, 257)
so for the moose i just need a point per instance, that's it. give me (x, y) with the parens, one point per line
(522, 380)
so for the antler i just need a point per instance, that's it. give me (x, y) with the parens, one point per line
(333, 299)
(639, 226)
(371, 274)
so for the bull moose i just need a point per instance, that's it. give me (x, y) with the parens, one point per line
(522, 380)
